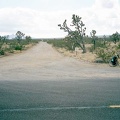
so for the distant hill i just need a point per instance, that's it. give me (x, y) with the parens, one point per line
(101, 36)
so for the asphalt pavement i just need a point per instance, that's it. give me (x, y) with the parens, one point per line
(50, 100)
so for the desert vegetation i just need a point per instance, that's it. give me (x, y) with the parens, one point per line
(76, 34)
(102, 47)
(17, 44)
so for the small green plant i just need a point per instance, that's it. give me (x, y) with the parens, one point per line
(2, 52)
(18, 47)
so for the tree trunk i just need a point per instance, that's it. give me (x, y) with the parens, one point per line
(84, 50)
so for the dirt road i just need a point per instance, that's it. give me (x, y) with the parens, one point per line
(42, 62)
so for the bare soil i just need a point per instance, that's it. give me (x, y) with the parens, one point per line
(43, 62)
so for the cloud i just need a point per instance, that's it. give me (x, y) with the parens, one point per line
(105, 3)
(29, 21)
(103, 16)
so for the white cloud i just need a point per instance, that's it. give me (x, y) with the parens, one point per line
(103, 16)
(105, 3)
(32, 22)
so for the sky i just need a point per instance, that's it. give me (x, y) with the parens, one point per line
(40, 18)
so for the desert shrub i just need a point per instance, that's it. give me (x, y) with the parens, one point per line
(14, 45)
(91, 49)
(61, 44)
(56, 43)
(99, 44)
(69, 46)
(87, 40)
(18, 47)
(2, 52)
(104, 53)
(118, 46)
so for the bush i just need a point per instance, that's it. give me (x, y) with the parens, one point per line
(99, 44)
(61, 44)
(91, 49)
(2, 52)
(105, 54)
(18, 47)
(56, 43)
(118, 46)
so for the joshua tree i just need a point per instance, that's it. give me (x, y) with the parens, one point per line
(93, 37)
(28, 38)
(115, 37)
(3, 40)
(76, 35)
(104, 39)
(19, 36)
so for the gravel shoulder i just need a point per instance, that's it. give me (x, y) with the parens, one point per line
(43, 62)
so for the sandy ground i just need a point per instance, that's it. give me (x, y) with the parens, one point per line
(42, 62)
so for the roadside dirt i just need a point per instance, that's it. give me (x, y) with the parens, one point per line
(87, 57)
(43, 62)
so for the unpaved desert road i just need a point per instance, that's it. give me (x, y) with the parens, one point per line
(42, 62)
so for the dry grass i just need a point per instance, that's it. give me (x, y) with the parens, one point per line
(89, 57)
